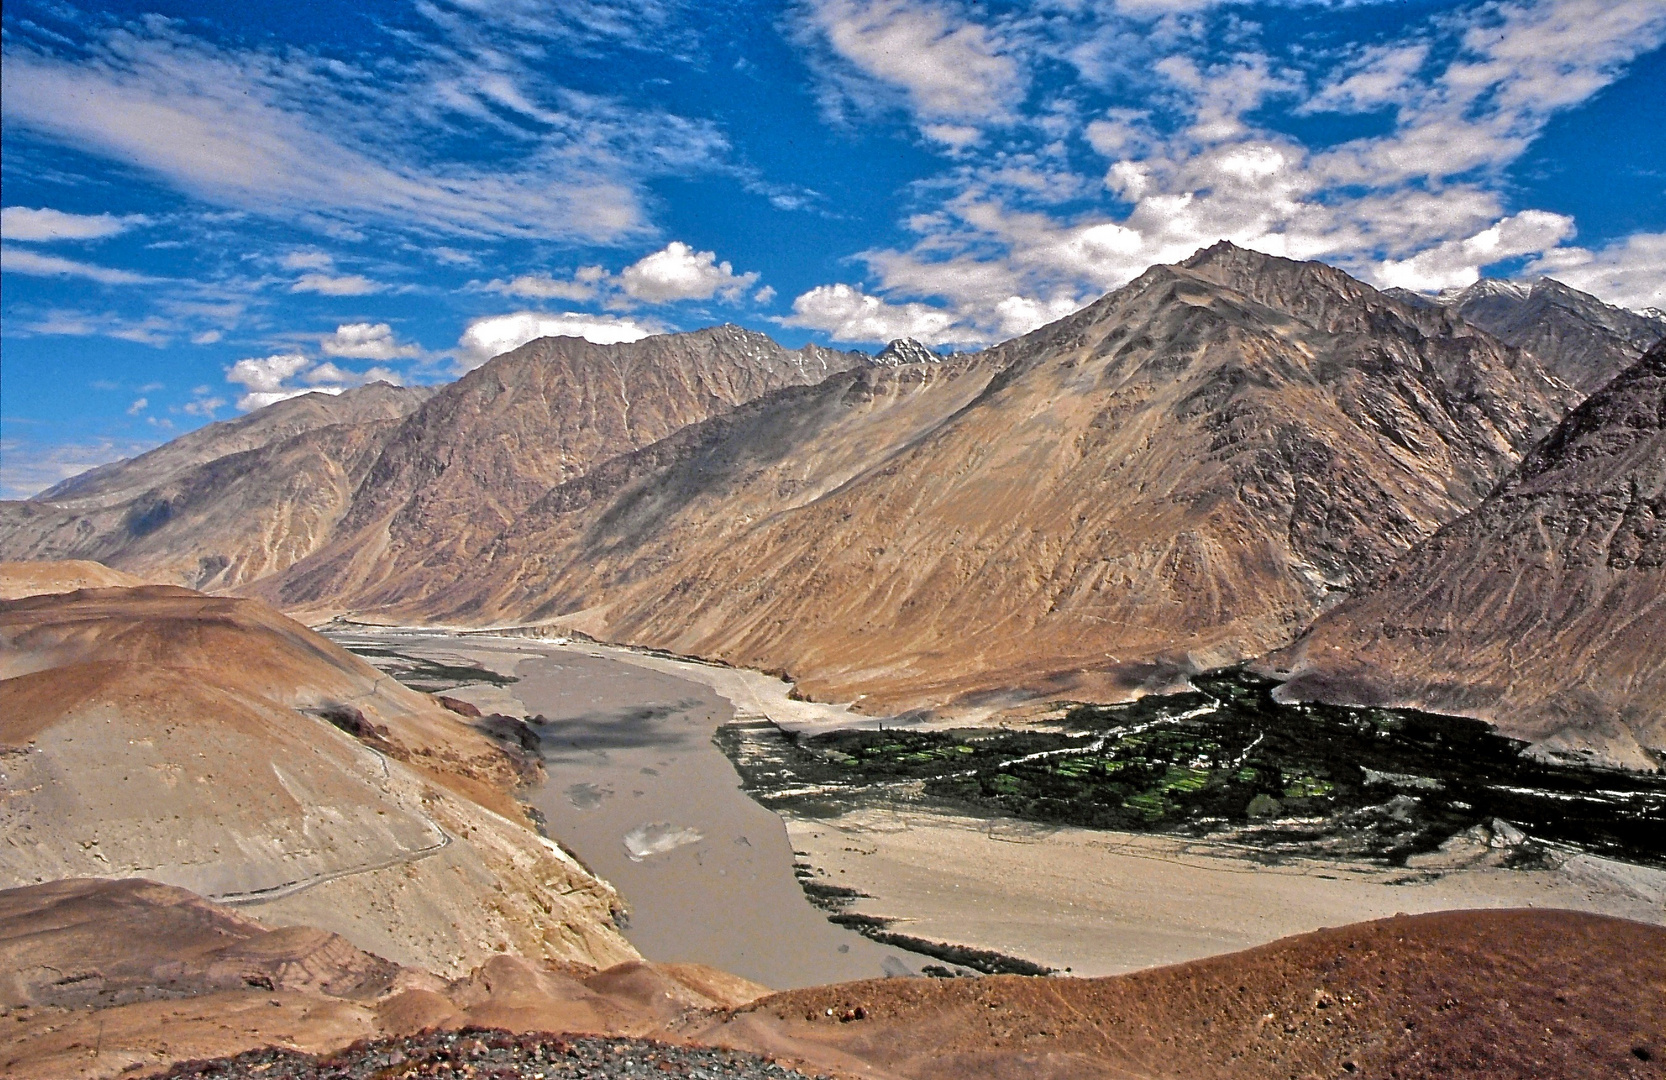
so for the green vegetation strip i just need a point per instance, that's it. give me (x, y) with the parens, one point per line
(1379, 783)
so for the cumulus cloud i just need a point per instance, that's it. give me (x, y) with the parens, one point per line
(366, 341)
(848, 314)
(270, 379)
(494, 335)
(1423, 205)
(41, 225)
(22, 261)
(678, 272)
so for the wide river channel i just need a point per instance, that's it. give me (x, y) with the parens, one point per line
(641, 794)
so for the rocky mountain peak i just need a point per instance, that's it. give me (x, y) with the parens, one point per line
(906, 351)
(1578, 337)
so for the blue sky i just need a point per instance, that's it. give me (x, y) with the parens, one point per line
(207, 207)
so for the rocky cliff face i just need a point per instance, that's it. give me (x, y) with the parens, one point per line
(1541, 610)
(1181, 475)
(463, 467)
(1577, 337)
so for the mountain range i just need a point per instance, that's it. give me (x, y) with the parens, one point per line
(1192, 471)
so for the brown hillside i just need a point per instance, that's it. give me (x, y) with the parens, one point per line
(1460, 994)
(20, 579)
(102, 978)
(213, 744)
(1544, 609)
(220, 506)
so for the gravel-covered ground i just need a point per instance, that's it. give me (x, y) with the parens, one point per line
(492, 1055)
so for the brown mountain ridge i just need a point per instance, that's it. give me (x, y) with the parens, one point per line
(1178, 476)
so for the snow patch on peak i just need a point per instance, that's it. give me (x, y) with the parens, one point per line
(1485, 287)
(906, 351)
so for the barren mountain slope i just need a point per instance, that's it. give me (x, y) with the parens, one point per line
(465, 465)
(1176, 476)
(214, 525)
(122, 480)
(212, 743)
(1544, 609)
(1574, 335)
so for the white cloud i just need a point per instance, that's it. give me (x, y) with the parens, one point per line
(1458, 263)
(678, 272)
(1424, 205)
(1630, 272)
(139, 405)
(270, 379)
(336, 285)
(494, 335)
(307, 260)
(848, 314)
(948, 66)
(204, 404)
(367, 341)
(336, 145)
(267, 373)
(41, 225)
(28, 467)
(582, 285)
(151, 330)
(22, 261)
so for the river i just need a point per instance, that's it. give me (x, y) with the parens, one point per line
(638, 790)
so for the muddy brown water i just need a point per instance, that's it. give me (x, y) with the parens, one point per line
(639, 792)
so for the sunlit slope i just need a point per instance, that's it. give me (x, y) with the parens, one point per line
(1544, 609)
(156, 732)
(1181, 475)
(476, 455)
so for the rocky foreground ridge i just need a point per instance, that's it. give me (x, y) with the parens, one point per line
(126, 978)
(1186, 473)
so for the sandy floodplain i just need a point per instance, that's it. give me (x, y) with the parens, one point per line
(1087, 901)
